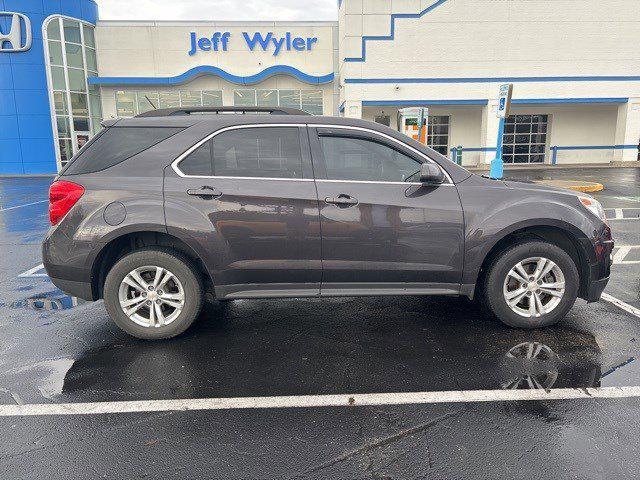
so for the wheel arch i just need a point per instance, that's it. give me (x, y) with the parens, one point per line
(130, 242)
(566, 237)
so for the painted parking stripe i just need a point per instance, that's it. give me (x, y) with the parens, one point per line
(317, 401)
(630, 213)
(621, 253)
(620, 304)
(24, 205)
(37, 271)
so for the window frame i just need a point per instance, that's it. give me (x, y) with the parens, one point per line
(307, 171)
(348, 131)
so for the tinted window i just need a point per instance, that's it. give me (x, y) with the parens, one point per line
(258, 152)
(115, 145)
(198, 162)
(359, 159)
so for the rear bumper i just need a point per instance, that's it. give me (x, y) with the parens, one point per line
(81, 290)
(595, 289)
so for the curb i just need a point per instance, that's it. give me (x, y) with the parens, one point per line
(585, 187)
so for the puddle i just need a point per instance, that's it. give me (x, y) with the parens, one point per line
(47, 302)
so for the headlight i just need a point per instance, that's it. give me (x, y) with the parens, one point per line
(594, 207)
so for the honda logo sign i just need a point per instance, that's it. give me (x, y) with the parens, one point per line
(12, 40)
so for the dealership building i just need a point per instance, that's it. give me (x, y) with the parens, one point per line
(574, 66)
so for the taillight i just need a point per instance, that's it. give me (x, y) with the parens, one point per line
(62, 196)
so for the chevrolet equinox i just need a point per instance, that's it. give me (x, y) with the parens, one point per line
(272, 203)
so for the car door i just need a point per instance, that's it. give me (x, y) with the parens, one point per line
(383, 232)
(245, 196)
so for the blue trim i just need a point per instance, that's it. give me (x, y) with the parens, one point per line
(529, 101)
(606, 78)
(210, 70)
(394, 16)
(414, 103)
(555, 149)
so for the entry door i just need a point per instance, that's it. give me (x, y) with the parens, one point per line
(247, 198)
(382, 231)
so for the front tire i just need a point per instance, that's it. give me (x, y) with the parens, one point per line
(153, 293)
(531, 285)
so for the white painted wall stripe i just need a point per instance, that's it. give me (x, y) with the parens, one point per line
(317, 401)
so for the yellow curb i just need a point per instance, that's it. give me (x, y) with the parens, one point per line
(585, 187)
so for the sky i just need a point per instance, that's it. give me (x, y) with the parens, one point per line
(244, 10)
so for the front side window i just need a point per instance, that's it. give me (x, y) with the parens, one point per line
(268, 152)
(348, 158)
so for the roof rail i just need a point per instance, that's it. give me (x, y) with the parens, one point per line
(170, 112)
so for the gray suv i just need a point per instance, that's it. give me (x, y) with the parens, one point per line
(159, 209)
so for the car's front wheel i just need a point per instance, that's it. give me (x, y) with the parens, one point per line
(153, 293)
(530, 285)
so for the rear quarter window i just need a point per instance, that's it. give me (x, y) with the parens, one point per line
(115, 145)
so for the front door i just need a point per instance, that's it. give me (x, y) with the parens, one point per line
(382, 231)
(247, 198)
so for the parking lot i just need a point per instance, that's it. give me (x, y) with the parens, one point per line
(281, 388)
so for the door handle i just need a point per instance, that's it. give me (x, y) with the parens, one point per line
(205, 191)
(342, 200)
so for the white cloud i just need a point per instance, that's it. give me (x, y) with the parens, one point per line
(243, 10)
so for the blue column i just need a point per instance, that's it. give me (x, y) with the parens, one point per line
(497, 164)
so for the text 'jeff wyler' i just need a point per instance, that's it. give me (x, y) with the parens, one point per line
(219, 41)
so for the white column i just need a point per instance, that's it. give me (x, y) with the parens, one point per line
(628, 130)
(353, 109)
(490, 124)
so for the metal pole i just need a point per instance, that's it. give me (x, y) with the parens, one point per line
(497, 166)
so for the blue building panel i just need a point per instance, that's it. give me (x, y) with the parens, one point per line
(7, 102)
(29, 76)
(38, 151)
(8, 127)
(9, 151)
(11, 168)
(32, 102)
(72, 8)
(23, 6)
(35, 126)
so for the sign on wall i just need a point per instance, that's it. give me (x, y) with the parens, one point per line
(17, 37)
(220, 41)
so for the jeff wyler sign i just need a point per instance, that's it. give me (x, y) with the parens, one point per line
(219, 42)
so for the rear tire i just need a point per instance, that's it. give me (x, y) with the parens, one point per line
(160, 289)
(531, 285)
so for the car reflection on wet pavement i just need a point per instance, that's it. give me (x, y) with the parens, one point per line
(58, 349)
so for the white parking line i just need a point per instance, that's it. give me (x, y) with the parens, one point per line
(316, 401)
(620, 304)
(24, 205)
(32, 272)
(622, 252)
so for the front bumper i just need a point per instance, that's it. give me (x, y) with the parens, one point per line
(599, 271)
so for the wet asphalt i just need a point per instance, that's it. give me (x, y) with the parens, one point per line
(54, 349)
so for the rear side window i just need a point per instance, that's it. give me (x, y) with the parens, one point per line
(264, 152)
(115, 145)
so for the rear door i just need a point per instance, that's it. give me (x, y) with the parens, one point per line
(246, 196)
(382, 231)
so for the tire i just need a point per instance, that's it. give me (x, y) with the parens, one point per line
(499, 284)
(183, 293)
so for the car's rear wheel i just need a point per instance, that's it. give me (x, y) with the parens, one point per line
(153, 293)
(530, 285)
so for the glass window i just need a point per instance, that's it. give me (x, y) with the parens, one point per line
(529, 143)
(74, 55)
(290, 98)
(77, 80)
(267, 98)
(71, 31)
(60, 102)
(360, 159)
(312, 101)
(55, 53)
(199, 161)
(115, 145)
(438, 133)
(53, 29)
(148, 101)
(126, 104)
(244, 98)
(81, 124)
(89, 39)
(191, 99)
(96, 126)
(57, 78)
(63, 127)
(66, 151)
(169, 99)
(79, 105)
(92, 63)
(258, 152)
(212, 98)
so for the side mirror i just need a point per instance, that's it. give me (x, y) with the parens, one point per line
(431, 173)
